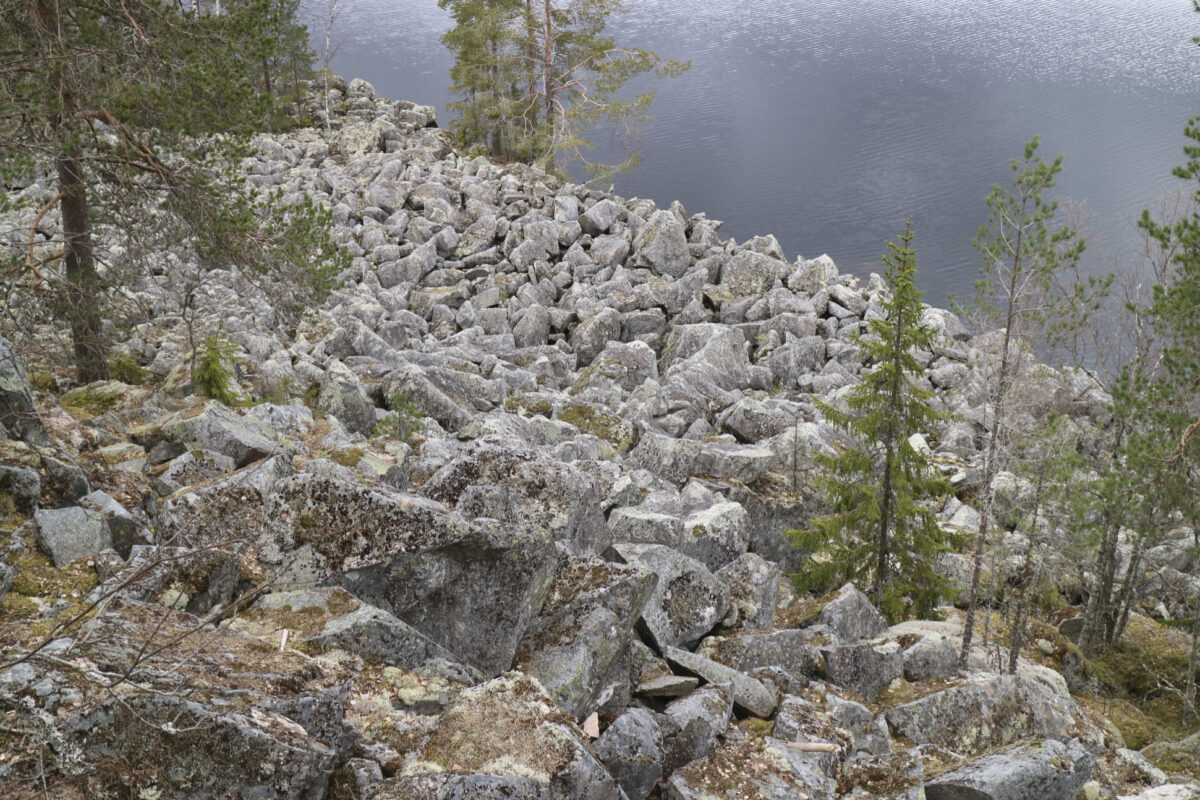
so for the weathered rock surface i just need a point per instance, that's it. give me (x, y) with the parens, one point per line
(1051, 769)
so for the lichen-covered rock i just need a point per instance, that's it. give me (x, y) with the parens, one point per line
(585, 623)
(554, 495)
(930, 657)
(662, 245)
(67, 534)
(748, 694)
(632, 750)
(748, 274)
(187, 750)
(509, 726)
(1050, 769)
(23, 485)
(752, 768)
(850, 616)
(643, 526)
(211, 426)
(460, 787)
(753, 589)
(991, 711)
(687, 602)
(343, 396)
(18, 415)
(700, 721)
(790, 649)
(716, 535)
(862, 668)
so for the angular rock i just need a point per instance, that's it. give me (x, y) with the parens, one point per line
(662, 245)
(850, 616)
(748, 274)
(753, 589)
(790, 649)
(585, 623)
(748, 694)
(701, 720)
(989, 712)
(1049, 769)
(460, 787)
(687, 602)
(933, 656)
(343, 396)
(18, 415)
(715, 536)
(752, 767)
(638, 526)
(213, 427)
(862, 668)
(68, 534)
(633, 752)
(509, 726)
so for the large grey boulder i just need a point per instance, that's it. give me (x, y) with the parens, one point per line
(509, 726)
(276, 757)
(343, 396)
(632, 750)
(752, 767)
(68, 534)
(790, 649)
(700, 722)
(460, 787)
(932, 656)
(584, 625)
(748, 274)
(535, 490)
(643, 526)
(991, 711)
(23, 485)
(749, 695)
(862, 668)
(472, 588)
(850, 616)
(356, 627)
(600, 217)
(214, 427)
(662, 245)
(18, 415)
(1049, 769)
(716, 535)
(753, 589)
(687, 602)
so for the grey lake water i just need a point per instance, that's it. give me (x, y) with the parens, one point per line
(829, 122)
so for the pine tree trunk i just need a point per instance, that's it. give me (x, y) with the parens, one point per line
(1100, 600)
(81, 302)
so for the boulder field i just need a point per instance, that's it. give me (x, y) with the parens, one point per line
(503, 518)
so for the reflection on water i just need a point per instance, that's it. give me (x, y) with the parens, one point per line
(829, 123)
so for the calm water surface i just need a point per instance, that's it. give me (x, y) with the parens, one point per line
(829, 122)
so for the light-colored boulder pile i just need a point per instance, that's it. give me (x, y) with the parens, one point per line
(564, 580)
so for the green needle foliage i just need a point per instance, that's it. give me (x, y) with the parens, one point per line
(882, 534)
(533, 76)
(139, 111)
(213, 376)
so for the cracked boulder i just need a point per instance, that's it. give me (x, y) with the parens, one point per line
(688, 601)
(584, 626)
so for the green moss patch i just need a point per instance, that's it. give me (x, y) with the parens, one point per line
(614, 430)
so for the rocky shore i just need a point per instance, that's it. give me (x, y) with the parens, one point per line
(504, 519)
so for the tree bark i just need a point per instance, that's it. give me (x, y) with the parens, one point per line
(81, 301)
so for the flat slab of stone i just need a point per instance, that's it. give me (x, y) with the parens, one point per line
(1047, 770)
(748, 694)
(667, 686)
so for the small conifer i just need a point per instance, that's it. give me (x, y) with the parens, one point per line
(881, 534)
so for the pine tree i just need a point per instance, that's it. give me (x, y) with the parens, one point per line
(1024, 260)
(533, 76)
(882, 534)
(109, 97)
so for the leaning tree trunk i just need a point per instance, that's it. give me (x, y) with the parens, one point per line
(82, 294)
